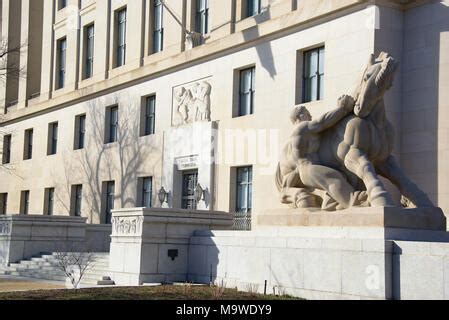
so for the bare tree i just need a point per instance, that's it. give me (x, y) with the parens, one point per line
(10, 60)
(75, 264)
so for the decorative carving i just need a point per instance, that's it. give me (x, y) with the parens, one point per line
(194, 39)
(5, 228)
(192, 103)
(334, 162)
(127, 225)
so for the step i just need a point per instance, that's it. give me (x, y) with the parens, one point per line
(44, 277)
(106, 283)
(98, 274)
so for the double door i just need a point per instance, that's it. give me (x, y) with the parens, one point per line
(189, 183)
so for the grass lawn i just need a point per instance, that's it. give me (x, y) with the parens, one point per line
(140, 293)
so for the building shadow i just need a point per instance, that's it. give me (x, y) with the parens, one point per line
(264, 50)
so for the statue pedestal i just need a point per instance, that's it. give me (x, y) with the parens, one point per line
(362, 253)
(393, 223)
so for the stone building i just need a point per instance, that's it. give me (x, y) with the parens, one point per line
(121, 100)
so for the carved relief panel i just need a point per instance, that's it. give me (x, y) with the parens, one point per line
(127, 226)
(192, 103)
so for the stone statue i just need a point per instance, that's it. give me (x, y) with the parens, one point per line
(300, 166)
(193, 104)
(338, 158)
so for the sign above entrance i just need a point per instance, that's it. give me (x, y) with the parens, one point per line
(187, 163)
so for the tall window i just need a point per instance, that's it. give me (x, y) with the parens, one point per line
(149, 115)
(62, 4)
(61, 48)
(112, 124)
(109, 194)
(3, 203)
(253, 7)
(89, 34)
(158, 30)
(25, 202)
(6, 149)
(247, 91)
(49, 201)
(202, 16)
(80, 131)
(147, 189)
(313, 76)
(76, 198)
(52, 138)
(244, 189)
(28, 146)
(121, 38)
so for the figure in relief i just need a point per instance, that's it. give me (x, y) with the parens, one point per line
(193, 104)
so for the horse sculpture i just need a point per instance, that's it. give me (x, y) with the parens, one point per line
(360, 145)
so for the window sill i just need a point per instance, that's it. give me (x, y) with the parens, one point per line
(249, 22)
(244, 116)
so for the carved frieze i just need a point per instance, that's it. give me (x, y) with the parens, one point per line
(127, 225)
(5, 228)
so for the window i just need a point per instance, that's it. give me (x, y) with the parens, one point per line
(28, 146)
(244, 189)
(89, 34)
(112, 124)
(61, 60)
(80, 131)
(76, 200)
(109, 197)
(3, 203)
(158, 30)
(62, 4)
(121, 38)
(202, 16)
(149, 115)
(49, 201)
(146, 192)
(247, 91)
(313, 75)
(52, 138)
(7, 149)
(253, 7)
(25, 202)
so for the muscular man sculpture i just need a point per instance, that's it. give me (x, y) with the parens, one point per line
(302, 166)
(347, 149)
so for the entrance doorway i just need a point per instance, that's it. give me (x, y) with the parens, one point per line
(189, 182)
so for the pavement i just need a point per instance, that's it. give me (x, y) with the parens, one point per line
(11, 284)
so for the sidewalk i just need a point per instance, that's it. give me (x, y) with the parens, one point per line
(11, 283)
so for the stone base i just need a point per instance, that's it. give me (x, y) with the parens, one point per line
(329, 265)
(388, 217)
(152, 245)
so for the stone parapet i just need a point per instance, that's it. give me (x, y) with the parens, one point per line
(152, 245)
(23, 236)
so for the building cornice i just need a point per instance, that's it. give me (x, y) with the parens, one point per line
(235, 41)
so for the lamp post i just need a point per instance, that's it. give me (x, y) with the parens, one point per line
(162, 195)
(199, 193)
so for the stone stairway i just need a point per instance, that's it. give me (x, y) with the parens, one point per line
(45, 267)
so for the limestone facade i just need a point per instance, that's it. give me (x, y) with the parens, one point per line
(274, 42)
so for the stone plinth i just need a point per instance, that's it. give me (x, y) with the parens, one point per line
(23, 236)
(152, 245)
(383, 217)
